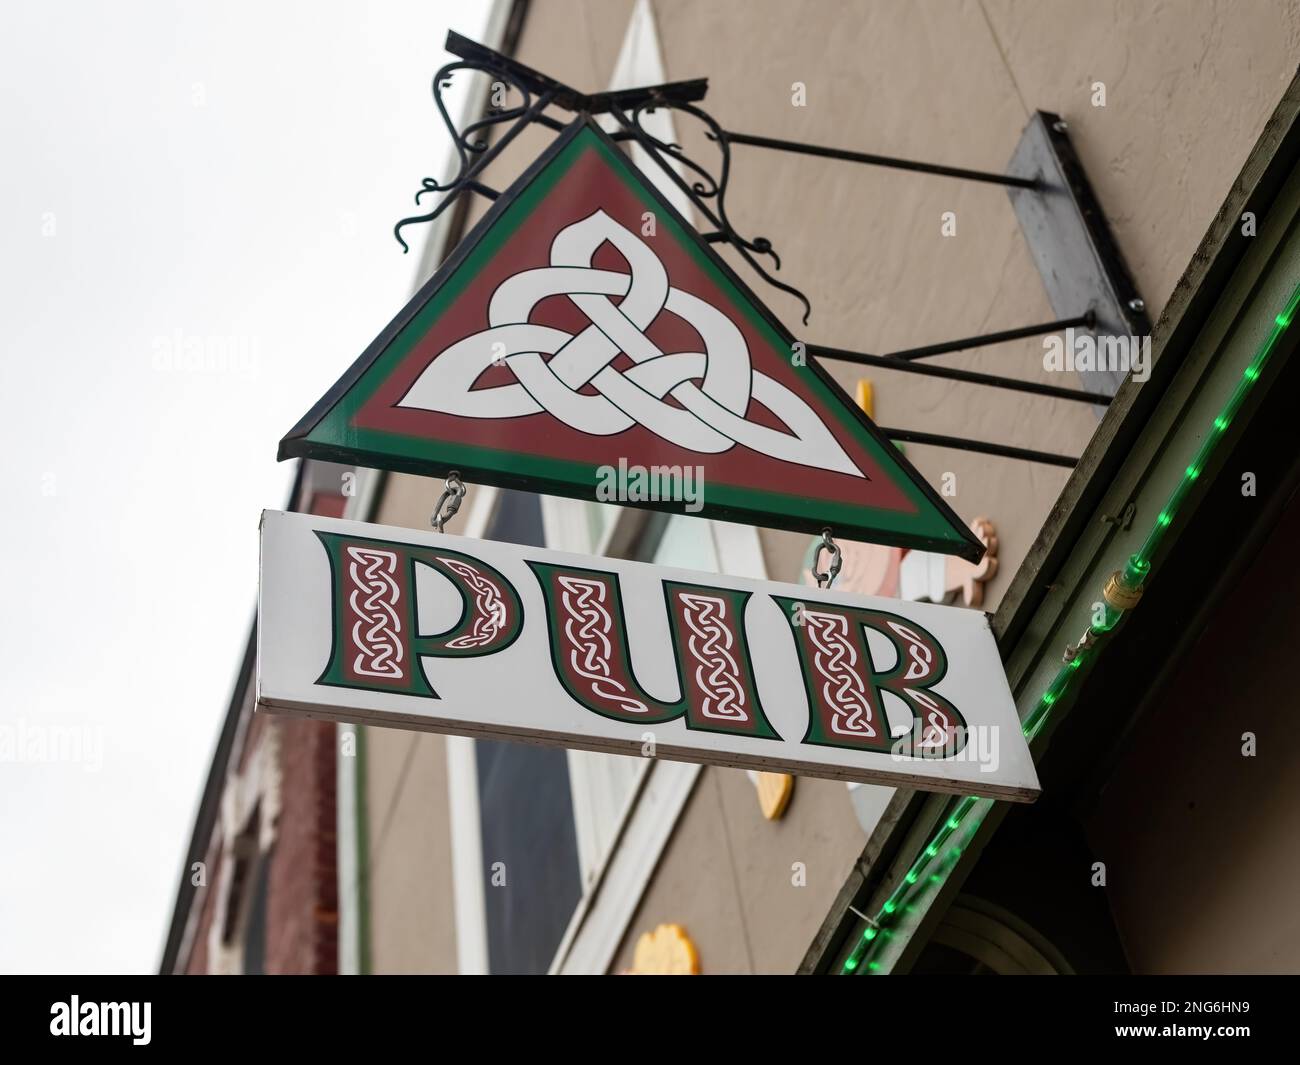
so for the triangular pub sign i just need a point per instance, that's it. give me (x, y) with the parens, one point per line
(584, 326)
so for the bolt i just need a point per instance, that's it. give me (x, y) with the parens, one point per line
(1137, 305)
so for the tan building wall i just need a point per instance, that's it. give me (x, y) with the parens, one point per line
(750, 892)
(1188, 88)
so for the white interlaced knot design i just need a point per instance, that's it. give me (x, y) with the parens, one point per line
(715, 387)
(376, 634)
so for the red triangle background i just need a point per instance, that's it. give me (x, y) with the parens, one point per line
(589, 184)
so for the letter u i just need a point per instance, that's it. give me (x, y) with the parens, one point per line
(590, 655)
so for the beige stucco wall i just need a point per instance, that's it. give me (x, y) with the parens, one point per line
(1188, 88)
(749, 892)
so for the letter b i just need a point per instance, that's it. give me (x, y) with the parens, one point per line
(846, 705)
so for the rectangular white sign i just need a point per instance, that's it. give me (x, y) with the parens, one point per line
(416, 630)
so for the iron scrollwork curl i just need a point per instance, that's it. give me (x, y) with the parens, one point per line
(705, 187)
(471, 151)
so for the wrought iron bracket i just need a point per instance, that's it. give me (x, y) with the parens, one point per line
(1084, 275)
(1076, 254)
(708, 194)
(537, 92)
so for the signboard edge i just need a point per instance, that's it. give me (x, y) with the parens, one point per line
(666, 752)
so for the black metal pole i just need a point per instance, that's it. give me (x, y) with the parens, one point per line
(565, 96)
(892, 362)
(984, 339)
(880, 160)
(908, 436)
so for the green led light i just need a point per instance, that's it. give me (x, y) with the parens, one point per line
(873, 966)
(1282, 320)
(1077, 662)
(1164, 518)
(910, 878)
(889, 906)
(953, 822)
(1049, 698)
(850, 965)
(1221, 423)
(869, 934)
(1192, 473)
(1252, 373)
(931, 851)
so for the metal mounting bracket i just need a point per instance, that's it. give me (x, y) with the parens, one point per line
(1071, 242)
(1087, 283)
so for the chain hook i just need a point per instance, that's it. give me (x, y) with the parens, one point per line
(827, 578)
(451, 496)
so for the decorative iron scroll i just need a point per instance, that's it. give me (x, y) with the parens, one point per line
(706, 189)
(472, 154)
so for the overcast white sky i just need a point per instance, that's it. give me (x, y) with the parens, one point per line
(220, 173)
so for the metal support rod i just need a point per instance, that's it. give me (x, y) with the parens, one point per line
(880, 160)
(893, 362)
(563, 95)
(908, 436)
(1087, 321)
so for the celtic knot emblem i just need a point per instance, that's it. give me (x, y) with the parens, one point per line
(713, 389)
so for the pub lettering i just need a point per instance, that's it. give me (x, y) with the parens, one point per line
(377, 646)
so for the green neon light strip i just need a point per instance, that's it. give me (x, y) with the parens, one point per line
(969, 812)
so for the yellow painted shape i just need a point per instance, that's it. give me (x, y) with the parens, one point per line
(774, 791)
(667, 951)
(866, 397)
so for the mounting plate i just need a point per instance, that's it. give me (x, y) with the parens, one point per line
(1072, 245)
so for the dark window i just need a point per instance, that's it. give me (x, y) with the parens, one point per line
(255, 926)
(526, 816)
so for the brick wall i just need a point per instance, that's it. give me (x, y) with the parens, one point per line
(302, 893)
(302, 888)
(302, 906)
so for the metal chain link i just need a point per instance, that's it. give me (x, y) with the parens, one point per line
(451, 496)
(826, 578)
